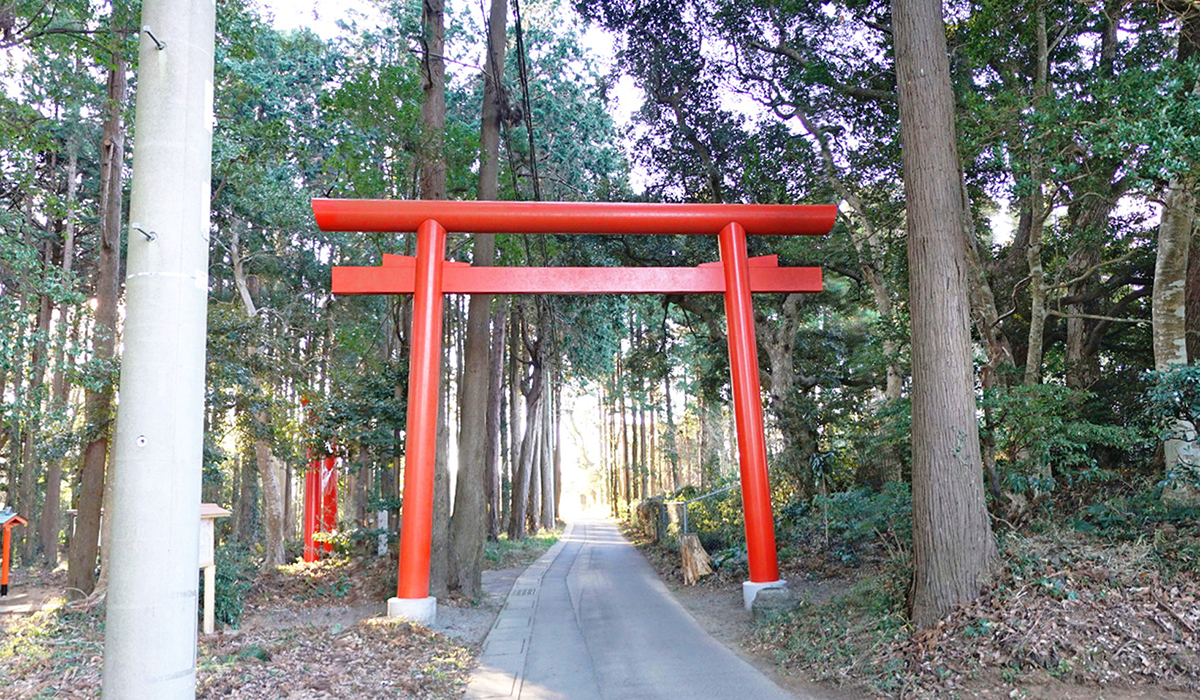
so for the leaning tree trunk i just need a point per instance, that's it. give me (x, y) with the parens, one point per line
(98, 401)
(953, 549)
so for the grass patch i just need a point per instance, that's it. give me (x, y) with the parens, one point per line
(505, 553)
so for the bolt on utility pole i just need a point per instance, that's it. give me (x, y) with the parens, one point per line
(150, 633)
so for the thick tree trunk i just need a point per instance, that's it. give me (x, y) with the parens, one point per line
(1193, 300)
(468, 527)
(98, 402)
(59, 387)
(953, 549)
(1169, 315)
(1169, 301)
(1037, 220)
(439, 558)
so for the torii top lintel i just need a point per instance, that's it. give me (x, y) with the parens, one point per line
(395, 216)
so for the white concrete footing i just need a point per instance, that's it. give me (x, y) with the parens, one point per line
(423, 611)
(750, 590)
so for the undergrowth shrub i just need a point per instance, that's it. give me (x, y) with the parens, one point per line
(839, 640)
(236, 570)
(850, 526)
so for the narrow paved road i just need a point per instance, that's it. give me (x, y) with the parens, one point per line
(592, 621)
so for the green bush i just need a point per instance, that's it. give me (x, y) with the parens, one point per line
(236, 570)
(1044, 436)
(1174, 396)
(849, 525)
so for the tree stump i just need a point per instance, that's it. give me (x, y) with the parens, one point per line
(695, 560)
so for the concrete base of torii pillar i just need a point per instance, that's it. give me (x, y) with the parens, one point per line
(420, 610)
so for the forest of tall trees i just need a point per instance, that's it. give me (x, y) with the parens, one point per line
(1061, 243)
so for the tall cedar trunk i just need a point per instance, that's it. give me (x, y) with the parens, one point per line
(623, 416)
(433, 186)
(439, 556)
(953, 548)
(59, 387)
(517, 488)
(534, 430)
(1037, 214)
(273, 522)
(549, 514)
(495, 415)
(98, 401)
(35, 409)
(469, 525)
(556, 453)
(710, 444)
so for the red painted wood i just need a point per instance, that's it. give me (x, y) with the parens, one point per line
(329, 500)
(424, 376)
(311, 503)
(572, 217)
(747, 408)
(399, 279)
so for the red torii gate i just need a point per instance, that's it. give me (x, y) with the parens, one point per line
(429, 276)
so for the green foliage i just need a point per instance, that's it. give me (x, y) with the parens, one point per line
(235, 575)
(1173, 402)
(719, 523)
(849, 526)
(505, 553)
(1044, 437)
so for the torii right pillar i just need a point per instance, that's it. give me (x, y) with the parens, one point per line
(748, 416)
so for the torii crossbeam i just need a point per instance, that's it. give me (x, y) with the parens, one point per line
(429, 276)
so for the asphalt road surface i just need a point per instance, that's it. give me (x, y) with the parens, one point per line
(592, 621)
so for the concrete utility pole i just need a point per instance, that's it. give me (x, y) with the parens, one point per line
(150, 634)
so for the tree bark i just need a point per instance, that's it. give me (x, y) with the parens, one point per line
(953, 548)
(468, 527)
(495, 415)
(98, 402)
(1169, 316)
(548, 513)
(273, 534)
(1169, 302)
(59, 388)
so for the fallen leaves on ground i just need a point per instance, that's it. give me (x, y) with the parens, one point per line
(57, 654)
(1064, 609)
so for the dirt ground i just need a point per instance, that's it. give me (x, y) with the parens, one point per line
(290, 647)
(716, 604)
(302, 648)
